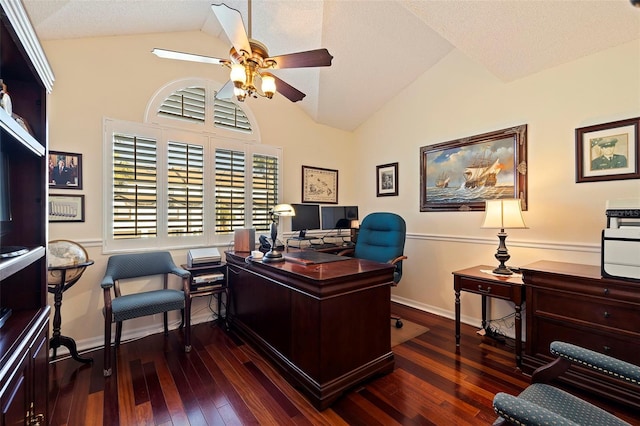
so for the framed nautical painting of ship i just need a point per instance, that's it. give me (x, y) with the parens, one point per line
(387, 180)
(608, 151)
(460, 175)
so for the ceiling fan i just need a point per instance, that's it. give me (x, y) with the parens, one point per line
(250, 61)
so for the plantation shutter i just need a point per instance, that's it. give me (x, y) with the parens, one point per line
(187, 104)
(228, 115)
(264, 190)
(185, 189)
(229, 190)
(135, 200)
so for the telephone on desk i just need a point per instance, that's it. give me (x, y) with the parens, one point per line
(265, 245)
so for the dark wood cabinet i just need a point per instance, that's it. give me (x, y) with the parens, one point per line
(24, 343)
(573, 303)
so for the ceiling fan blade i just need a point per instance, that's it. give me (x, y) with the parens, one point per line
(171, 54)
(233, 26)
(226, 91)
(311, 58)
(288, 91)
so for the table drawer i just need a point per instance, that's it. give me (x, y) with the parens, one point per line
(492, 289)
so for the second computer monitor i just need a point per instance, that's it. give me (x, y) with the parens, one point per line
(338, 217)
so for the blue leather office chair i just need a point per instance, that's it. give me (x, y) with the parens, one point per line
(381, 238)
(127, 306)
(543, 404)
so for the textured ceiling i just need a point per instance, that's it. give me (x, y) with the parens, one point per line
(379, 46)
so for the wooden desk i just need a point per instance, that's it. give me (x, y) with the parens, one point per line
(510, 288)
(326, 326)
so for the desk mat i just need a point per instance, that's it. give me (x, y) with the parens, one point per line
(310, 257)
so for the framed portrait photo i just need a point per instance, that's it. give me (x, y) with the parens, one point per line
(387, 180)
(319, 185)
(608, 151)
(66, 208)
(462, 174)
(65, 170)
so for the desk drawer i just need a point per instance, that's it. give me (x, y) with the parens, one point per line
(492, 289)
(599, 312)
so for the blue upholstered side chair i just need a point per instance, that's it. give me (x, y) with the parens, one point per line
(543, 404)
(381, 238)
(122, 307)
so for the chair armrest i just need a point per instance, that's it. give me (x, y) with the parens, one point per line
(520, 411)
(397, 259)
(550, 371)
(107, 281)
(597, 361)
(183, 273)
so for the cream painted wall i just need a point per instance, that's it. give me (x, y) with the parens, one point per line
(116, 77)
(459, 98)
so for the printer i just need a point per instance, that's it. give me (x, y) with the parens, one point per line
(621, 240)
(203, 257)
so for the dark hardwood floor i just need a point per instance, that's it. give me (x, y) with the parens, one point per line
(223, 381)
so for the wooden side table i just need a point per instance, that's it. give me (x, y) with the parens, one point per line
(474, 280)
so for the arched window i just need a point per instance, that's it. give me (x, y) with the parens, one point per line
(190, 175)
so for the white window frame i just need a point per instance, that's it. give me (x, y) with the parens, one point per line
(163, 129)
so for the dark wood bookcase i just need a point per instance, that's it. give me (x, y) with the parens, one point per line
(24, 336)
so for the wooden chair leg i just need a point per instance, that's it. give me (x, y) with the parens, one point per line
(118, 332)
(187, 325)
(107, 347)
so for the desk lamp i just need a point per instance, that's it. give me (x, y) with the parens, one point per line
(503, 214)
(274, 255)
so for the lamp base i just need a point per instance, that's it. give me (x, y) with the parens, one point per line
(502, 255)
(272, 256)
(502, 270)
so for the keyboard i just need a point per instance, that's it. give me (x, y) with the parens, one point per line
(323, 246)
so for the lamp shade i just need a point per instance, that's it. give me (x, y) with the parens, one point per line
(268, 85)
(238, 75)
(503, 213)
(283, 210)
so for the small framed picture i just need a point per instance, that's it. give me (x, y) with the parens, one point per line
(65, 170)
(319, 185)
(387, 180)
(66, 208)
(608, 151)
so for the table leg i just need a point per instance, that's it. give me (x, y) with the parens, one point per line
(518, 326)
(484, 312)
(58, 339)
(457, 305)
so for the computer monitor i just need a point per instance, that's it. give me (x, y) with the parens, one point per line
(338, 217)
(307, 217)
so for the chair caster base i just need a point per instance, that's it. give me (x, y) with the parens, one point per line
(399, 323)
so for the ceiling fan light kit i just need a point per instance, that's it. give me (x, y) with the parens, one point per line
(250, 60)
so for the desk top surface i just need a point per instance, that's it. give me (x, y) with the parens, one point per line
(476, 272)
(321, 271)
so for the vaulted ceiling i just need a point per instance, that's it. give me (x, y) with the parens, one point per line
(379, 46)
